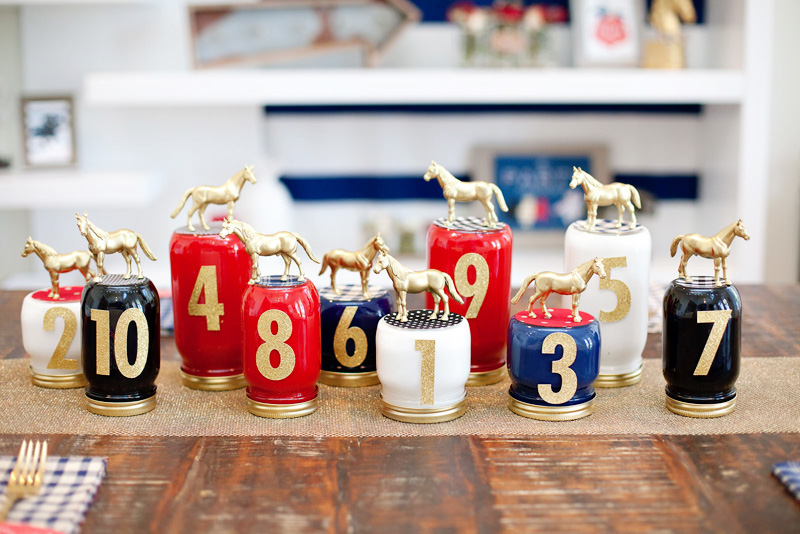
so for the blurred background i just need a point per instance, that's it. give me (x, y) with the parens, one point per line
(116, 107)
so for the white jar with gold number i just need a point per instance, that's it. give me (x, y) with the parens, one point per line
(620, 301)
(423, 366)
(52, 337)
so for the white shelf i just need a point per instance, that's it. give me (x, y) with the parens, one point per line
(85, 189)
(413, 86)
(24, 3)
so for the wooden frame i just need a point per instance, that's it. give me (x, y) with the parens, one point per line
(322, 45)
(32, 160)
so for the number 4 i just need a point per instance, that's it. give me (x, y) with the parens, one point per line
(212, 309)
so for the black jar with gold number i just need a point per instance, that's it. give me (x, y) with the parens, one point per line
(121, 345)
(701, 347)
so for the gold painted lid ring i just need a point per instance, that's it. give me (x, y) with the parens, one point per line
(701, 411)
(619, 380)
(282, 411)
(551, 413)
(424, 415)
(487, 377)
(213, 383)
(349, 380)
(76, 380)
(121, 409)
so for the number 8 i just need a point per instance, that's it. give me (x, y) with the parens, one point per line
(275, 342)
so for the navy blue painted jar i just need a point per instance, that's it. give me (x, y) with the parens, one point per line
(553, 364)
(701, 342)
(121, 351)
(349, 322)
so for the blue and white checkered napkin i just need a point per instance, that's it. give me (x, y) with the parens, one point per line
(68, 488)
(789, 474)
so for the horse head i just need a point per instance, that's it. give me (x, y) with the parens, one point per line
(577, 177)
(227, 227)
(598, 267)
(248, 174)
(379, 244)
(29, 247)
(382, 263)
(432, 172)
(740, 230)
(83, 222)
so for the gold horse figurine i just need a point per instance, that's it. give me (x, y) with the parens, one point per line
(456, 190)
(406, 281)
(572, 283)
(666, 17)
(56, 263)
(359, 261)
(716, 247)
(203, 195)
(283, 244)
(102, 243)
(623, 196)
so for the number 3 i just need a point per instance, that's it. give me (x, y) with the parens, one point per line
(477, 290)
(569, 380)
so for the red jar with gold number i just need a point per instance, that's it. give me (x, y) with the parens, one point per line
(282, 349)
(478, 258)
(209, 277)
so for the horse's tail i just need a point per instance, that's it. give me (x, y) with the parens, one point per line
(145, 248)
(674, 247)
(185, 197)
(451, 288)
(501, 201)
(306, 247)
(635, 197)
(524, 288)
(324, 263)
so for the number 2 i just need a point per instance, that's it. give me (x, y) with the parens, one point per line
(58, 361)
(477, 290)
(619, 288)
(212, 309)
(720, 319)
(561, 367)
(344, 332)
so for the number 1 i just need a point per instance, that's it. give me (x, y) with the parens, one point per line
(426, 347)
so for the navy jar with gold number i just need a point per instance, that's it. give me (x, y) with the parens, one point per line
(121, 328)
(701, 342)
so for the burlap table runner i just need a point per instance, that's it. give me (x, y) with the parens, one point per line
(769, 401)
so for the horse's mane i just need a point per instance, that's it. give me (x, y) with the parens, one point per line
(245, 228)
(46, 249)
(583, 267)
(591, 179)
(445, 173)
(399, 271)
(96, 230)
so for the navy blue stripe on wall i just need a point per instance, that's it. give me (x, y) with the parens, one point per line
(436, 10)
(405, 187)
(466, 109)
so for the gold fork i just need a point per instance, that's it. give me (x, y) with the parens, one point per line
(26, 478)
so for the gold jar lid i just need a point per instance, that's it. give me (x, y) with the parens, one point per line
(121, 409)
(619, 380)
(423, 415)
(76, 380)
(702, 411)
(487, 377)
(213, 383)
(349, 380)
(282, 411)
(551, 413)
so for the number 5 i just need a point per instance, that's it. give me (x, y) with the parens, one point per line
(619, 288)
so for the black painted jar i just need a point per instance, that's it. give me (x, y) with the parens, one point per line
(121, 327)
(701, 342)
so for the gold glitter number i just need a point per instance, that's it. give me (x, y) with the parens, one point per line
(569, 380)
(212, 309)
(477, 290)
(720, 319)
(344, 332)
(276, 342)
(58, 360)
(103, 334)
(619, 288)
(426, 347)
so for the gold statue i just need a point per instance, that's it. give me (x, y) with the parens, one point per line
(430, 280)
(667, 51)
(623, 196)
(102, 243)
(573, 283)
(283, 244)
(359, 261)
(716, 247)
(56, 263)
(456, 190)
(203, 195)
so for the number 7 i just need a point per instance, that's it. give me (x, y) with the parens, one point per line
(720, 319)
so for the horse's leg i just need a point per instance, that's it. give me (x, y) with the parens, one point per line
(403, 309)
(717, 262)
(436, 299)
(299, 266)
(451, 210)
(592, 216)
(127, 256)
(230, 209)
(138, 263)
(491, 216)
(446, 302)
(202, 215)
(54, 285)
(632, 211)
(333, 279)
(576, 300)
(725, 272)
(543, 302)
(287, 265)
(189, 216)
(254, 274)
(98, 260)
(621, 212)
(365, 283)
(682, 269)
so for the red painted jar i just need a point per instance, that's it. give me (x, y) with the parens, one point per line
(282, 352)
(209, 276)
(478, 259)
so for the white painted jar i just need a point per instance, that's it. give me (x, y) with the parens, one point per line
(423, 366)
(620, 302)
(51, 335)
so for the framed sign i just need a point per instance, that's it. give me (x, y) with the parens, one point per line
(48, 131)
(535, 183)
(606, 33)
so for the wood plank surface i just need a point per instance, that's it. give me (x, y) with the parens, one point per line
(645, 483)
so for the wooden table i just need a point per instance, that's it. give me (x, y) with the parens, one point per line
(615, 483)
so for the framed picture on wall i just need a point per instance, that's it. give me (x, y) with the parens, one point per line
(48, 131)
(535, 182)
(606, 33)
